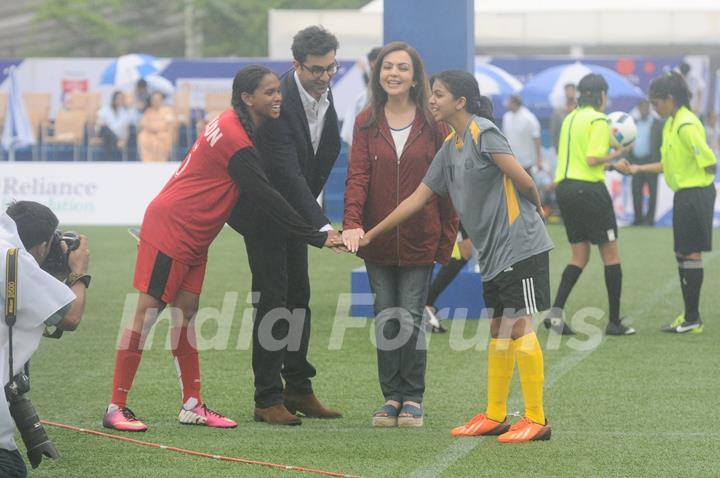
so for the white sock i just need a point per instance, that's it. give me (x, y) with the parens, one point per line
(191, 403)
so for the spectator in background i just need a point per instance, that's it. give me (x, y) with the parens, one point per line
(559, 114)
(646, 149)
(712, 129)
(696, 85)
(142, 96)
(522, 130)
(155, 131)
(346, 132)
(113, 124)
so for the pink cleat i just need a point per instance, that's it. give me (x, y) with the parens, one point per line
(202, 415)
(122, 419)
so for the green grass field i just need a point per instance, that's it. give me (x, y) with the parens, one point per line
(636, 406)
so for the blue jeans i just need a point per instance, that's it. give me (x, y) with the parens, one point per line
(400, 294)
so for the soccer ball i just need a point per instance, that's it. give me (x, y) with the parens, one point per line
(622, 129)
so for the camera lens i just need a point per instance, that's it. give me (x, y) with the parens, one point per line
(32, 432)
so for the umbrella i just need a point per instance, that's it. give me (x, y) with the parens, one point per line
(545, 90)
(494, 81)
(161, 84)
(127, 69)
(18, 131)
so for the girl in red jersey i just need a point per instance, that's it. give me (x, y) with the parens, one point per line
(178, 228)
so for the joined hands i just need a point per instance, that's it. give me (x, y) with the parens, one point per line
(349, 240)
(335, 242)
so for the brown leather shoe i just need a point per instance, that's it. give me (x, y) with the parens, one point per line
(276, 415)
(308, 405)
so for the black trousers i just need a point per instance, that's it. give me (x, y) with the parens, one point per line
(638, 183)
(109, 139)
(281, 332)
(12, 464)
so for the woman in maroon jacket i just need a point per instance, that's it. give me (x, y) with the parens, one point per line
(394, 141)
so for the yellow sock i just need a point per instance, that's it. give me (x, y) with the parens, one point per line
(529, 357)
(501, 362)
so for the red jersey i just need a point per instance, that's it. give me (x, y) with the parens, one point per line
(187, 215)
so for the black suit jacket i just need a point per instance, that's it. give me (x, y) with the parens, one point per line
(288, 158)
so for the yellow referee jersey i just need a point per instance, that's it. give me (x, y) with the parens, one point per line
(585, 132)
(685, 152)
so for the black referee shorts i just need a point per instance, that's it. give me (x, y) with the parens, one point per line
(693, 210)
(587, 211)
(522, 289)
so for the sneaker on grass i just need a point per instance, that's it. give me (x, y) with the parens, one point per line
(202, 415)
(681, 326)
(122, 419)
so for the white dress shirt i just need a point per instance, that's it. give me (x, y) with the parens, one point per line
(353, 110)
(315, 111)
(522, 128)
(117, 120)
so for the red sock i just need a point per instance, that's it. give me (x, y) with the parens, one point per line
(187, 362)
(126, 364)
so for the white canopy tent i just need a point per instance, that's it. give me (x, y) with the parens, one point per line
(531, 23)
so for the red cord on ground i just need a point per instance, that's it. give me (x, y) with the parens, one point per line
(197, 453)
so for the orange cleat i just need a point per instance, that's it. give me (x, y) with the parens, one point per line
(480, 425)
(525, 430)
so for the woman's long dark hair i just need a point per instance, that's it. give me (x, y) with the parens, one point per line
(590, 88)
(419, 94)
(671, 84)
(461, 84)
(113, 101)
(247, 80)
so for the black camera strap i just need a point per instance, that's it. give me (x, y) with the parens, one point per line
(11, 271)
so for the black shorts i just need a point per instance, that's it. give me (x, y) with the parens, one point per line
(522, 289)
(587, 211)
(693, 211)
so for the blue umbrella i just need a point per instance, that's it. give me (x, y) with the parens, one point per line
(545, 90)
(494, 81)
(161, 84)
(127, 69)
(18, 131)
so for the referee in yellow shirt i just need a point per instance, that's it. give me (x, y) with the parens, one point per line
(689, 166)
(585, 204)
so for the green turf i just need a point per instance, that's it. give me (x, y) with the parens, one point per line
(634, 406)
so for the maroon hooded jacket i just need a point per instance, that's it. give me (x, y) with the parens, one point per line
(378, 181)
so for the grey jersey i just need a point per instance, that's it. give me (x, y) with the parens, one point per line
(503, 225)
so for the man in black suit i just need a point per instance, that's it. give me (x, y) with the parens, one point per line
(298, 150)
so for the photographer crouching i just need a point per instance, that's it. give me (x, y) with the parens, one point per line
(43, 282)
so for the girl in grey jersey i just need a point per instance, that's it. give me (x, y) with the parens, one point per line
(499, 206)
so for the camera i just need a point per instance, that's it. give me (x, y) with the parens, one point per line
(27, 421)
(56, 263)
